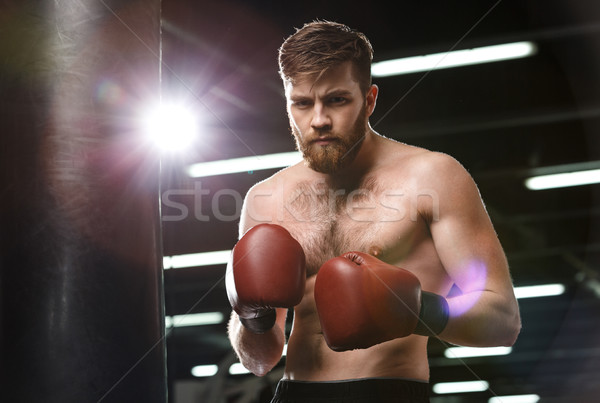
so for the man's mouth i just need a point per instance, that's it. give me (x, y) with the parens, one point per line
(324, 140)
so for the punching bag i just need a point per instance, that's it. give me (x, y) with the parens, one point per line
(81, 289)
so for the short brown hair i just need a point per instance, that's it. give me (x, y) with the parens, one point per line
(321, 45)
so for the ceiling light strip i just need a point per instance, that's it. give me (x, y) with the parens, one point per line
(457, 58)
(201, 371)
(196, 259)
(564, 179)
(541, 290)
(238, 369)
(244, 164)
(194, 319)
(468, 352)
(532, 398)
(443, 388)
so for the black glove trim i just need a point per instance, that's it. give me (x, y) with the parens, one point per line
(262, 322)
(433, 316)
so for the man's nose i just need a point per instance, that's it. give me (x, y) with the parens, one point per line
(320, 119)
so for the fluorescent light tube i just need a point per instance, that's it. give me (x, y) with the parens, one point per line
(204, 370)
(544, 290)
(196, 259)
(465, 352)
(460, 387)
(455, 58)
(564, 179)
(238, 369)
(194, 319)
(515, 399)
(244, 164)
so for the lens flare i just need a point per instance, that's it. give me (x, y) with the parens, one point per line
(109, 92)
(171, 127)
(474, 279)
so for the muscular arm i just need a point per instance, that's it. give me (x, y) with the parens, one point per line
(486, 312)
(258, 353)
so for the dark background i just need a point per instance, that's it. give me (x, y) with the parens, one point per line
(503, 121)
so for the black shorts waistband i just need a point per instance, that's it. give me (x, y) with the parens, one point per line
(355, 388)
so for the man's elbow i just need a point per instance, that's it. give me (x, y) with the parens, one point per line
(259, 368)
(513, 329)
(260, 371)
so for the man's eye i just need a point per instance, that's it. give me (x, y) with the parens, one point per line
(337, 100)
(301, 104)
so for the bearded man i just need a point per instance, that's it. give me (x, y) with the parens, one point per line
(364, 240)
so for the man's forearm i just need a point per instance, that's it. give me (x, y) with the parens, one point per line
(258, 353)
(482, 319)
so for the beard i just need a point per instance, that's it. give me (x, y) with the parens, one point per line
(339, 153)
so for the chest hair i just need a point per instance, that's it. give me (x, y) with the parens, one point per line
(318, 218)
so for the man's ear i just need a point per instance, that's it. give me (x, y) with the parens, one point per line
(371, 99)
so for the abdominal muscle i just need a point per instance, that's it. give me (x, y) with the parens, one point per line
(310, 359)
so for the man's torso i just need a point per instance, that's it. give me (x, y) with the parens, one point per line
(381, 215)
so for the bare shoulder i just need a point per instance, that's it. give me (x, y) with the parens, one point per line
(439, 167)
(436, 181)
(422, 165)
(264, 200)
(276, 182)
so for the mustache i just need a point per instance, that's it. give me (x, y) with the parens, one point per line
(330, 140)
(316, 135)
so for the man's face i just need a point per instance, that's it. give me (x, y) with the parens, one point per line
(328, 118)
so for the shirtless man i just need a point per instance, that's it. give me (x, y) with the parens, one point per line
(395, 207)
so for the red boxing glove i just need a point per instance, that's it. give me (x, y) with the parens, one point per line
(266, 270)
(363, 301)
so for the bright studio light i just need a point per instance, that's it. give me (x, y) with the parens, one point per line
(171, 126)
(456, 58)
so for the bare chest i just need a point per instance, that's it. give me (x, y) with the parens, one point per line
(328, 223)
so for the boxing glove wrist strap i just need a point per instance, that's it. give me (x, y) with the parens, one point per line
(262, 322)
(433, 315)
